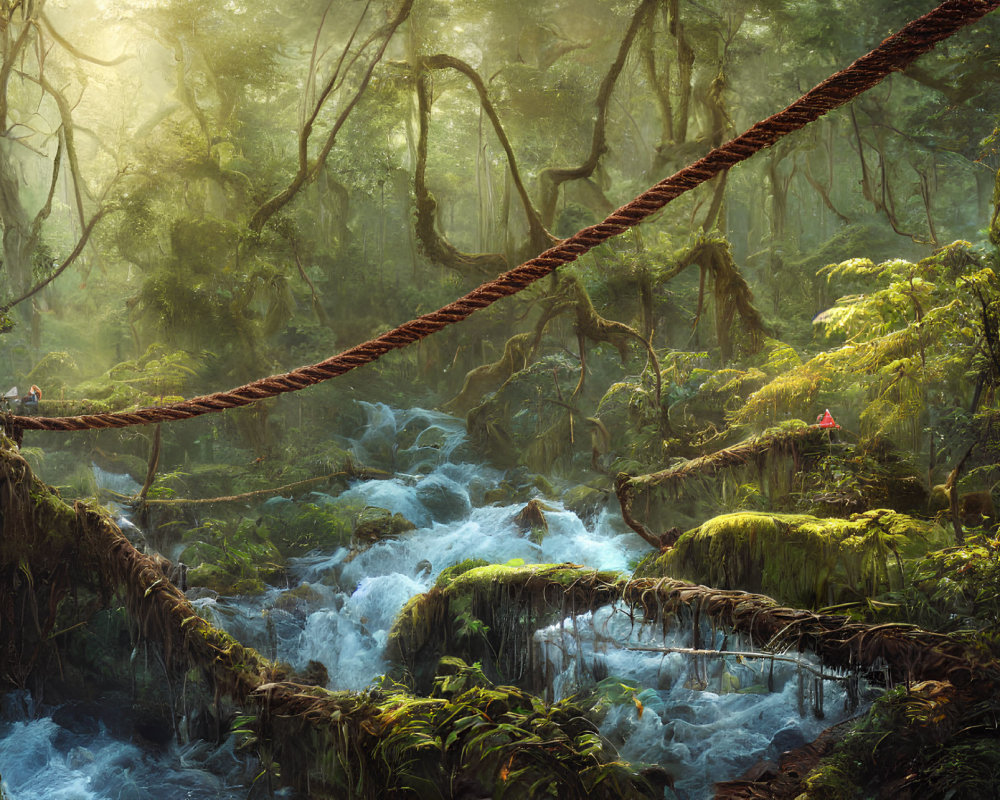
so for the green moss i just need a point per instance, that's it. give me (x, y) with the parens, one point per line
(376, 523)
(449, 574)
(488, 614)
(799, 560)
(585, 501)
(303, 594)
(231, 557)
(211, 576)
(202, 553)
(310, 526)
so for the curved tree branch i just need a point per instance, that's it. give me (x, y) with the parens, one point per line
(540, 238)
(76, 52)
(68, 135)
(81, 243)
(11, 53)
(553, 177)
(307, 171)
(435, 246)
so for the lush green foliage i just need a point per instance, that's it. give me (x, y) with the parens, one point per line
(225, 190)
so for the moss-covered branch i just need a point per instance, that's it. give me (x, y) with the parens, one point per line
(307, 169)
(754, 452)
(517, 354)
(456, 616)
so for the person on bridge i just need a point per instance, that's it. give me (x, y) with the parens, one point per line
(29, 403)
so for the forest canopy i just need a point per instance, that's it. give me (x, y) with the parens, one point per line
(194, 196)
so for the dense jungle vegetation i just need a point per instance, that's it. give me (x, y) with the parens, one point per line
(197, 195)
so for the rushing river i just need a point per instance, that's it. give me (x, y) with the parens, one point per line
(704, 718)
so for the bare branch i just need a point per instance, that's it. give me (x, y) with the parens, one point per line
(46, 209)
(66, 115)
(81, 243)
(553, 177)
(77, 53)
(540, 238)
(307, 172)
(435, 246)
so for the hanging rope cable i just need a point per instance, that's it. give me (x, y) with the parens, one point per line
(894, 54)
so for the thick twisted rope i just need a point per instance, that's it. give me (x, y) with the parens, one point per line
(894, 54)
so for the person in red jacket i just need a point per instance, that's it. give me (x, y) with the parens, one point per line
(825, 420)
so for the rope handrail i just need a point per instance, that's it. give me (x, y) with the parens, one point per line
(892, 55)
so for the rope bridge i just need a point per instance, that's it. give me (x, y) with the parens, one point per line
(894, 54)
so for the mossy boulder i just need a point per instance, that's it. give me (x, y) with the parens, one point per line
(301, 598)
(219, 578)
(800, 560)
(449, 574)
(375, 524)
(532, 522)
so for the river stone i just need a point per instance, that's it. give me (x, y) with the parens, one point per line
(376, 523)
(445, 499)
(788, 738)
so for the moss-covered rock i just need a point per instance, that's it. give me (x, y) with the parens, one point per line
(301, 597)
(531, 520)
(222, 580)
(800, 560)
(449, 574)
(376, 523)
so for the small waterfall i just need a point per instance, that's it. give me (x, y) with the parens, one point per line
(704, 716)
(355, 597)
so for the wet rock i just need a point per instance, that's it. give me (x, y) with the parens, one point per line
(376, 523)
(444, 498)
(789, 738)
(315, 674)
(585, 501)
(278, 505)
(219, 579)
(79, 757)
(300, 598)
(153, 732)
(502, 494)
(78, 718)
(201, 593)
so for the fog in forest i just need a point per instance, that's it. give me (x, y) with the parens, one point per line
(461, 564)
